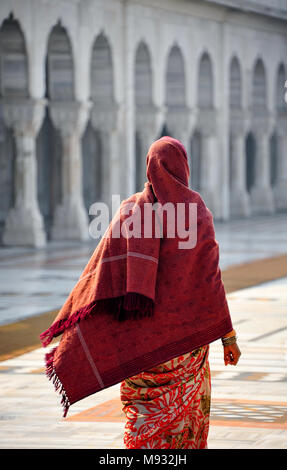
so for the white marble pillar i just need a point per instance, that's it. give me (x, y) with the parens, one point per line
(110, 166)
(211, 190)
(70, 219)
(209, 172)
(24, 223)
(146, 140)
(148, 121)
(280, 189)
(104, 118)
(181, 122)
(210, 163)
(239, 198)
(184, 138)
(261, 195)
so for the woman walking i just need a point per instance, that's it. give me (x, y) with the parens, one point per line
(168, 406)
(145, 310)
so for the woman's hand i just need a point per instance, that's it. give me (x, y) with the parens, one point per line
(231, 354)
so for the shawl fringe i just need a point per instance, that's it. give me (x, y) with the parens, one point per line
(51, 374)
(131, 305)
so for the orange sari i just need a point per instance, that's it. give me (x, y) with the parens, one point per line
(168, 406)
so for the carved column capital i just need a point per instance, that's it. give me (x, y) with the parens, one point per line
(104, 117)
(24, 115)
(70, 218)
(179, 120)
(148, 118)
(262, 124)
(70, 117)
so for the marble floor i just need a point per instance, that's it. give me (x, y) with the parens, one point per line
(34, 281)
(249, 401)
(246, 240)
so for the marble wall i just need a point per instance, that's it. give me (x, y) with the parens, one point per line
(87, 85)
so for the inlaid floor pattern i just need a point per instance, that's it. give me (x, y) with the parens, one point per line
(235, 412)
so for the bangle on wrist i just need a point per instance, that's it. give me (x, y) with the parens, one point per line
(231, 333)
(229, 340)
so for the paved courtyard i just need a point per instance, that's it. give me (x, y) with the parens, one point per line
(36, 281)
(249, 401)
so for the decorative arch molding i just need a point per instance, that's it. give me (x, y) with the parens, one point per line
(181, 44)
(235, 83)
(62, 21)
(175, 78)
(13, 56)
(20, 19)
(205, 85)
(60, 70)
(102, 70)
(116, 58)
(143, 75)
(280, 89)
(145, 39)
(259, 86)
(141, 37)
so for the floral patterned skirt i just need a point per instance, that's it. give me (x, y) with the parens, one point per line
(168, 406)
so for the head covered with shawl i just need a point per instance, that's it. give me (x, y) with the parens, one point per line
(170, 295)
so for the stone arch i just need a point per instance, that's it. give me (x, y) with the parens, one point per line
(60, 85)
(96, 140)
(13, 57)
(175, 78)
(49, 170)
(143, 75)
(205, 82)
(250, 149)
(14, 60)
(280, 89)
(60, 77)
(235, 84)
(259, 89)
(102, 80)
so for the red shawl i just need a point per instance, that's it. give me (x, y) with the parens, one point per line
(171, 300)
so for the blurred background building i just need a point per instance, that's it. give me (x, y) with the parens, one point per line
(87, 85)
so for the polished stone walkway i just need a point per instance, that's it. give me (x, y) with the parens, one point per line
(36, 281)
(249, 401)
